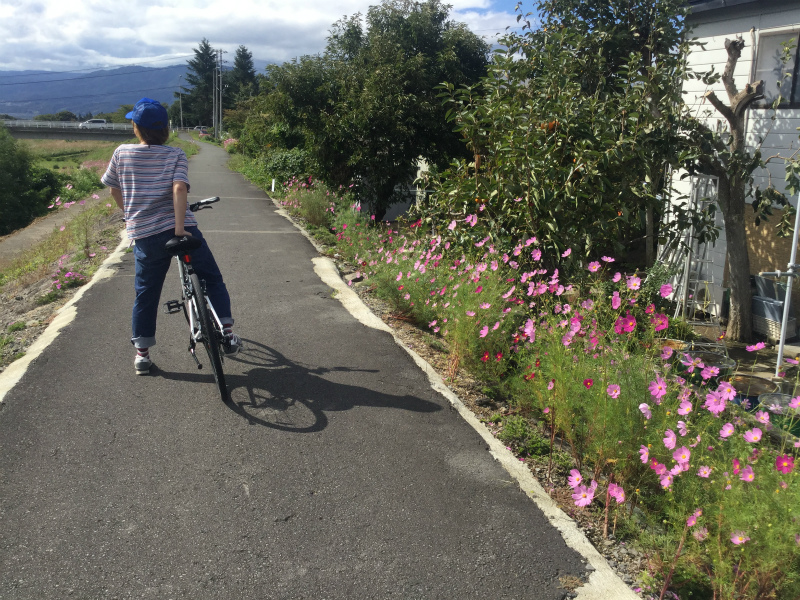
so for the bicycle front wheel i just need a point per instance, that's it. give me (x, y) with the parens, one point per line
(211, 336)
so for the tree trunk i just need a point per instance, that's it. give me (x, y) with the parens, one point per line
(740, 317)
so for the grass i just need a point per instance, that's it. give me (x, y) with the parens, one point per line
(88, 233)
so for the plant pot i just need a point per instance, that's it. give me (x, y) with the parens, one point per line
(749, 388)
(789, 419)
(676, 345)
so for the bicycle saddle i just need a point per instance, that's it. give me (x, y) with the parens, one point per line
(182, 245)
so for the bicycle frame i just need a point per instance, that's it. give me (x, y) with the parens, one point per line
(184, 271)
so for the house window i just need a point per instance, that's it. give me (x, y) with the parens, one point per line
(771, 69)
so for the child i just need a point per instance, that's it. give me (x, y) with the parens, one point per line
(149, 182)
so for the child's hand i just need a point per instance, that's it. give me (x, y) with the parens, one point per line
(182, 233)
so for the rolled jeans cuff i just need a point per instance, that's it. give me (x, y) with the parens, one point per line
(143, 342)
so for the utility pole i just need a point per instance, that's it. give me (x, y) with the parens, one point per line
(180, 97)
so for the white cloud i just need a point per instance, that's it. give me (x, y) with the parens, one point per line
(59, 35)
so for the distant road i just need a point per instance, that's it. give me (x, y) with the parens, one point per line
(65, 130)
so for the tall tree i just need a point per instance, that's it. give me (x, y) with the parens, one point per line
(571, 129)
(198, 102)
(242, 81)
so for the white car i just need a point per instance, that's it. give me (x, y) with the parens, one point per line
(93, 124)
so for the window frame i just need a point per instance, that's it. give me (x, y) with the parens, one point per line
(794, 101)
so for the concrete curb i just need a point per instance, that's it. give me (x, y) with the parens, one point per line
(603, 582)
(63, 317)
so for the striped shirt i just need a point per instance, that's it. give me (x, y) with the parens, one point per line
(145, 175)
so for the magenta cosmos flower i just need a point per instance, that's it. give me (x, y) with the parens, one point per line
(666, 290)
(784, 464)
(660, 322)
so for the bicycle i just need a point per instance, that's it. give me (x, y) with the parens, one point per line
(204, 324)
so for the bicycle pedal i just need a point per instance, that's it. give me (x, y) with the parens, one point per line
(173, 306)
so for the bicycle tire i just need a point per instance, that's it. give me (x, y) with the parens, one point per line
(209, 336)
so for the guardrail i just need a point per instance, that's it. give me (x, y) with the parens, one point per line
(66, 125)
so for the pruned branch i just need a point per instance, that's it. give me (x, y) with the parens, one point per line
(734, 49)
(723, 109)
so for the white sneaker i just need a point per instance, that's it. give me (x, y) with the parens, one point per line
(232, 345)
(142, 364)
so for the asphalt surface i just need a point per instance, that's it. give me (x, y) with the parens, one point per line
(335, 472)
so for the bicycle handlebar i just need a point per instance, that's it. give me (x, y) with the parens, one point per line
(201, 204)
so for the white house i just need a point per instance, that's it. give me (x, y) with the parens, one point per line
(763, 25)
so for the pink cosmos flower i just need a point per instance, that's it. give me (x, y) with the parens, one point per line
(470, 313)
(613, 390)
(551, 385)
(645, 454)
(575, 478)
(607, 259)
(747, 474)
(452, 225)
(685, 407)
(471, 220)
(536, 254)
(666, 290)
(565, 254)
(714, 403)
(753, 436)
(737, 466)
(762, 416)
(739, 537)
(726, 390)
(666, 480)
(617, 277)
(634, 282)
(669, 439)
(583, 496)
(709, 372)
(692, 520)
(756, 347)
(616, 301)
(658, 388)
(645, 408)
(726, 431)
(484, 331)
(682, 455)
(784, 464)
(682, 428)
(795, 402)
(616, 492)
(704, 471)
(666, 352)
(485, 305)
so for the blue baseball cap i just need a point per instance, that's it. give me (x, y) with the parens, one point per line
(149, 113)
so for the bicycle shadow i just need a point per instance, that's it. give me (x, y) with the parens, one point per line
(285, 395)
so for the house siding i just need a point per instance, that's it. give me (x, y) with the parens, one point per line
(778, 135)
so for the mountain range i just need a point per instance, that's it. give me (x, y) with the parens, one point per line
(25, 94)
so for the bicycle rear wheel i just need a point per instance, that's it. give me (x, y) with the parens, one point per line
(211, 336)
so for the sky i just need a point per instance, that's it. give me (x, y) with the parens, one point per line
(61, 35)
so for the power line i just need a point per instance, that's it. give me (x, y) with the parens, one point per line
(99, 68)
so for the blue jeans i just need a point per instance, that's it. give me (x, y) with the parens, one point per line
(152, 264)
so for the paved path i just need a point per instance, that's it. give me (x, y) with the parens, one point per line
(337, 472)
